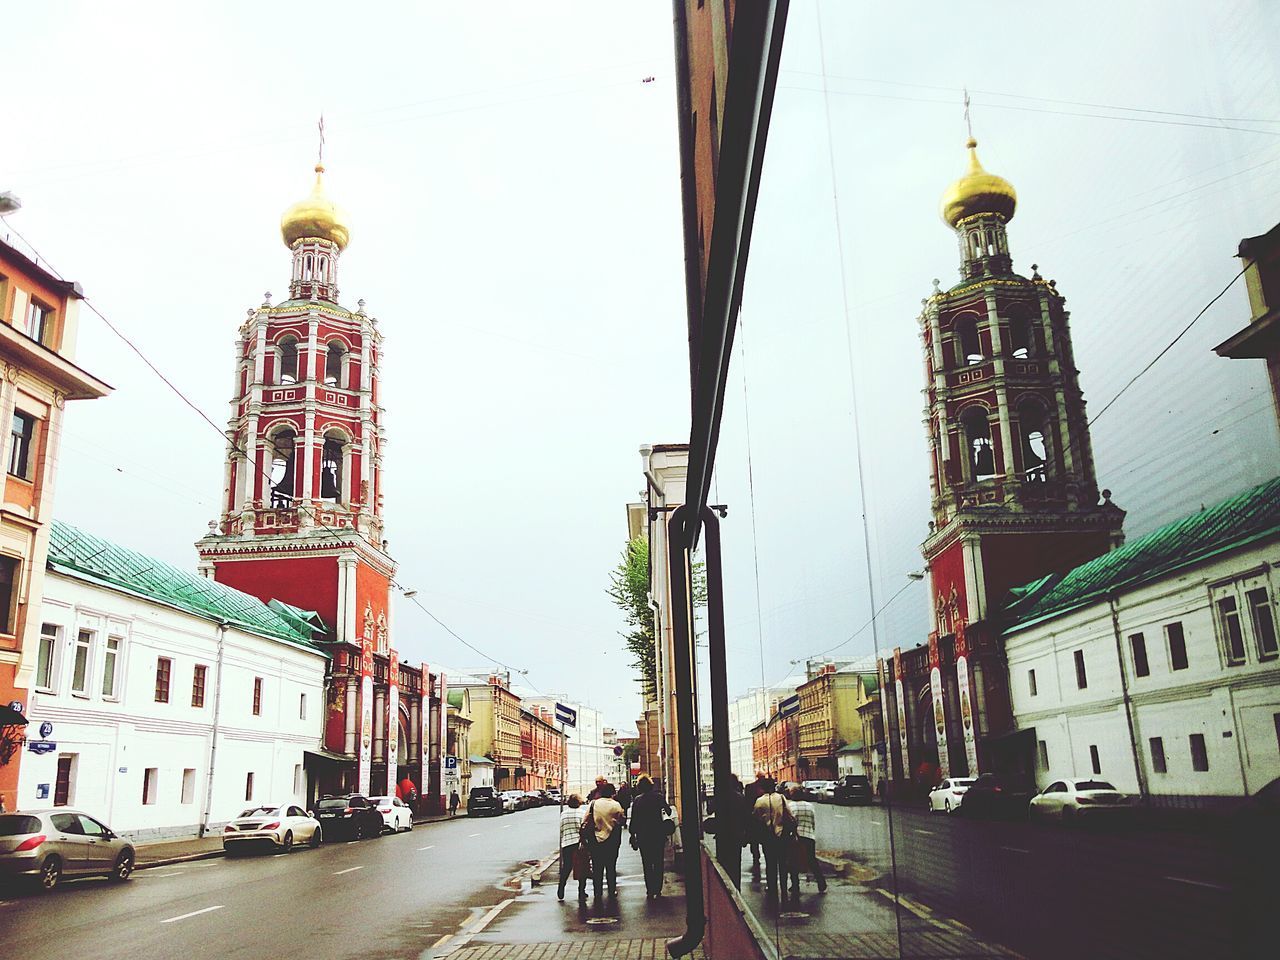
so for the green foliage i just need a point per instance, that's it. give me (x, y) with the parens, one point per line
(631, 752)
(629, 590)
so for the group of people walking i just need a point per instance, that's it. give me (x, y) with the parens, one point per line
(591, 836)
(783, 828)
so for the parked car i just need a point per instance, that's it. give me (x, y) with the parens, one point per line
(854, 788)
(351, 816)
(947, 795)
(483, 802)
(44, 846)
(554, 794)
(511, 800)
(526, 799)
(1068, 800)
(991, 795)
(818, 789)
(275, 825)
(396, 815)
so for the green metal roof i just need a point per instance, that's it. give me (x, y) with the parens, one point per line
(1245, 518)
(74, 551)
(870, 685)
(855, 747)
(455, 698)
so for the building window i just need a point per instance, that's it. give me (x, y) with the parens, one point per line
(1158, 763)
(164, 667)
(333, 362)
(1276, 718)
(1093, 758)
(1177, 645)
(189, 785)
(10, 569)
(197, 685)
(1199, 753)
(297, 780)
(331, 470)
(968, 343)
(47, 657)
(23, 432)
(1232, 634)
(1138, 645)
(302, 706)
(981, 454)
(1031, 683)
(257, 697)
(64, 784)
(1042, 754)
(39, 322)
(1033, 426)
(80, 663)
(288, 357)
(248, 786)
(150, 783)
(1264, 622)
(1082, 678)
(111, 667)
(283, 476)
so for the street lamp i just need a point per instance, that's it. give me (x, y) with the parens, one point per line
(9, 203)
(915, 575)
(409, 594)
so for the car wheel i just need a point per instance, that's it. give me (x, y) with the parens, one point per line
(123, 866)
(50, 873)
(287, 844)
(410, 826)
(317, 838)
(946, 806)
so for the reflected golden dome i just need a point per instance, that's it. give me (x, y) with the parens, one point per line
(316, 217)
(978, 192)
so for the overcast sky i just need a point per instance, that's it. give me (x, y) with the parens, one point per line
(514, 194)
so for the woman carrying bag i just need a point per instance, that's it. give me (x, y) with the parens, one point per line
(573, 856)
(651, 825)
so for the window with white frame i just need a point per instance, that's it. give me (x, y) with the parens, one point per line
(248, 786)
(189, 785)
(10, 579)
(1177, 641)
(111, 667)
(1262, 617)
(1199, 753)
(80, 662)
(1158, 762)
(150, 785)
(1230, 628)
(1042, 754)
(302, 706)
(1032, 689)
(47, 657)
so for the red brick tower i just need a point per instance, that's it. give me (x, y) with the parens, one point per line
(302, 494)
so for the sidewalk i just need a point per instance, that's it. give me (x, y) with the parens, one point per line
(165, 852)
(537, 926)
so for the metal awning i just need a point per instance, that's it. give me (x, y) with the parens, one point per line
(11, 716)
(332, 756)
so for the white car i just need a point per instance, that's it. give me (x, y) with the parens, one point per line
(396, 815)
(818, 788)
(280, 825)
(1068, 800)
(948, 795)
(510, 800)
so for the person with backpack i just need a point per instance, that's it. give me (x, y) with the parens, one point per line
(602, 836)
(571, 855)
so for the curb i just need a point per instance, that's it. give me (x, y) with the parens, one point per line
(169, 861)
(535, 878)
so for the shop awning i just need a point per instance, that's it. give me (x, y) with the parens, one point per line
(320, 753)
(11, 716)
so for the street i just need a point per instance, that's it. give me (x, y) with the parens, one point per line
(395, 896)
(1047, 891)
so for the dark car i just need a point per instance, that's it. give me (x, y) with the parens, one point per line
(483, 802)
(996, 797)
(854, 788)
(352, 815)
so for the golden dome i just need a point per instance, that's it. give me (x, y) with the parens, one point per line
(316, 217)
(978, 192)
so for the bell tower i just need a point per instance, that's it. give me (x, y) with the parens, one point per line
(301, 525)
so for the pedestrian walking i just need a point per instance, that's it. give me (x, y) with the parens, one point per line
(649, 833)
(595, 791)
(571, 854)
(776, 825)
(602, 826)
(805, 845)
(454, 800)
(751, 793)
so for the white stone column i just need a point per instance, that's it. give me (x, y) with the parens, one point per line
(349, 733)
(1002, 390)
(8, 400)
(379, 725)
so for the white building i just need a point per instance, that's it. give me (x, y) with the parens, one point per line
(1157, 666)
(149, 677)
(747, 712)
(586, 754)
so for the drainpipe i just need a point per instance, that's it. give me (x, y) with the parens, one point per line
(1128, 702)
(213, 739)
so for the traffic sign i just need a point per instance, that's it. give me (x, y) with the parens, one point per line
(451, 763)
(566, 715)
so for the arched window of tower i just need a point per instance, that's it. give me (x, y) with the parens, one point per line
(333, 364)
(1032, 423)
(1020, 340)
(968, 343)
(333, 467)
(283, 476)
(981, 460)
(287, 358)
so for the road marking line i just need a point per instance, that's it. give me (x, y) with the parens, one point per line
(1015, 849)
(193, 913)
(877, 823)
(430, 846)
(339, 873)
(927, 833)
(158, 876)
(506, 826)
(473, 835)
(1199, 883)
(442, 941)
(839, 816)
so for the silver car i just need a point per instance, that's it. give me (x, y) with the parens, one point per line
(47, 845)
(276, 825)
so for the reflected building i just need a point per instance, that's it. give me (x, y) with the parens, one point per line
(1014, 491)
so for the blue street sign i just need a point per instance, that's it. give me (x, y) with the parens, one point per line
(46, 729)
(42, 746)
(451, 763)
(566, 715)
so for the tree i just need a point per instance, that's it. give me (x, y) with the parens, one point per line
(631, 753)
(629, 590)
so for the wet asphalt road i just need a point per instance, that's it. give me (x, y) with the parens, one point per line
(391, 897)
